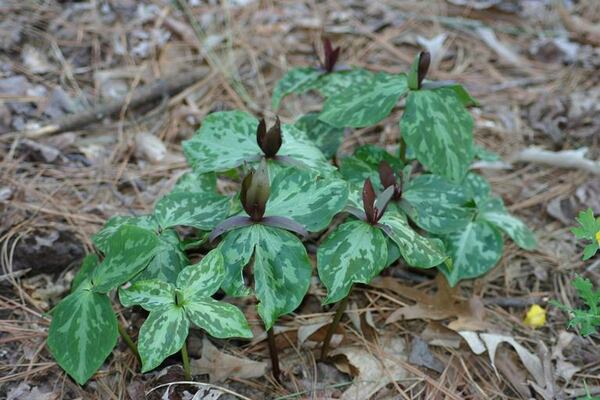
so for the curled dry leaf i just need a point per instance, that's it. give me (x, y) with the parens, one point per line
(220, 366)
(372, 370)
(479, 343)
(313, 333)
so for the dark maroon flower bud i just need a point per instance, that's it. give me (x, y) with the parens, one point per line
(255, 192)
(374, 205)
(269, 141)
(388, 179)
(331, 55)
(424, 61)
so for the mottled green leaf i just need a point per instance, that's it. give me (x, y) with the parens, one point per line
(199, 210)
(162, 334)
(393, 252)
(435, 204)
(100, 239)
(439, 129)
(193, 182)
(167, 264)
(220, 320)
(588, 229)
(228, 139)
(365, 164)
(478, 187)
(307, 198)
(366, 103)
(355, 252)
(224, 141)
(204, 278)
(296, 80)
(493, 211)
(281, 268)
(90, 262)
(417, 250)
(150, 295)
(334, 83)
(82, 333)
(128, 251)
(474, 250)
(327, 138)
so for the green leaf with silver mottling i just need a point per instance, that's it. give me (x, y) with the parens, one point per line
(282, 273)
(225, 140)
(435, 204)
(167, 264)
(204, 278)
(228, 139)
(439, 129)
(365, 164)
(307, 198)
(90, 262)
(193, 182)
(296, 80)
(281, 268)
(474, 250)
(493, 211)
(82, 333)
(128, 251)
(478, 186)
(162, 334)
(334, 83)
(220, 320)
(150, 295)
(417, 250)
(327, 138)
(365, 104)
(199, 210)
(100, 239)
(393, 252)
(355, 252)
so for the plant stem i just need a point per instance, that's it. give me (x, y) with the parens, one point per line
(341, 307)
(274, 355)
(128, 341)
(186, 362)
(402, 150)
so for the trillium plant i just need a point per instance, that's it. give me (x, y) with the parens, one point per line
(416, 206)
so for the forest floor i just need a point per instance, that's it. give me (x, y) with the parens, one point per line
(532, 65)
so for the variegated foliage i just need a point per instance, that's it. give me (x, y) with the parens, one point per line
(432, 202)
(83, 330)
(477, 247)
(435, 125)
(228, 139)
(193, 202)
(327, 138)
(301, 80)
(174, 307)
(279, 264)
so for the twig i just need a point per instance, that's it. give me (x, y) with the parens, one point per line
(142, 95)
(562, 159)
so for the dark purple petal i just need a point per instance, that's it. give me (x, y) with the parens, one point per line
(424, 61)
(255, 192)
(230, 224)
(386, 174)
(368, 195)
(285, 223)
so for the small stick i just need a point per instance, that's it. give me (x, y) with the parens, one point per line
(341, 307)
(187, 373)
(128, 341)
(274, 355)
(142, 95)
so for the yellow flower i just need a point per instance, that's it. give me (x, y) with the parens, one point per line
(536, 317)
(598, 237)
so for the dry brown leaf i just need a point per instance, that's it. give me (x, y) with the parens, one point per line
(372, 370)
(479, 343)
(220, 366)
